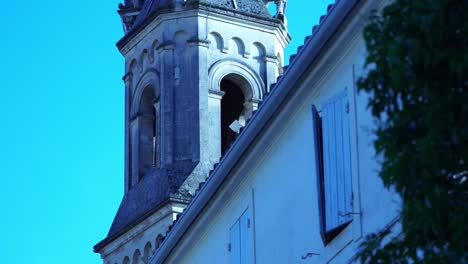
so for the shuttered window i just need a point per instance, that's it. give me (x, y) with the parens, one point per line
(240, 246)
(332, 143)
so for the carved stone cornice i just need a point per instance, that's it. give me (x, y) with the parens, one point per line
(198, 42)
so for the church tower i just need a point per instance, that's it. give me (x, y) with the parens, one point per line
(195, 70)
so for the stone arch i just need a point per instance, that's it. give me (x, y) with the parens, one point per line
(136, 257)
(144, 58)
(240, 88)
(234, 108)
(144, 127)
(236, 46)
(150, 78)
(126, 260)
(155, 45)
(255, 88)
(258, 50)
(258, 59)
(216, 41)
(158, 241)
(132, 66)
(153, 52)
(147, 252)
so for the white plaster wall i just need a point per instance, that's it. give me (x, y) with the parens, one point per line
(279, 177)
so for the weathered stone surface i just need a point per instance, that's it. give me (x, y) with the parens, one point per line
(154, 189)
(248, 7)
(255, 7)
(173, 71)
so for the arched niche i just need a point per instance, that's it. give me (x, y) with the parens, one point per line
(236, 46)
(155, 45)
(158, 241)
(258, 51)
(136, 257)
(133, 67)
(144, 60)
(216, 41)
(153, 51)
(147, 252)
(126, 260)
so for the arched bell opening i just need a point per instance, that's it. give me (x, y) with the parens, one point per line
(146, 132)
(143, 143)
(236, 108)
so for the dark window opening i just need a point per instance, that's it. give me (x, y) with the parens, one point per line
(232, 105)
(147, 133)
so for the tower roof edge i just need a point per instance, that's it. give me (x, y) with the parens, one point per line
(254, 11)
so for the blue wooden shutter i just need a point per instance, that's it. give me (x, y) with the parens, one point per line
(246, 253)
(336, 163)
(241, 239)
(235, 243)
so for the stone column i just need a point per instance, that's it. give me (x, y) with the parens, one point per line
(167, 103)
(128, 163)
(157, 133)
(272, 72)
(213, 147)
(209, 118)
(134, 149)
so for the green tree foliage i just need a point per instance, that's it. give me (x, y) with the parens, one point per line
(418, 86)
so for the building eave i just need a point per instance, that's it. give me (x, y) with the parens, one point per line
(286, 85)
(106, 241)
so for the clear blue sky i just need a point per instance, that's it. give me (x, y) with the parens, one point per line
(61, 136)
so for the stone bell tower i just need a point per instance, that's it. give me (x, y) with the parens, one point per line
(195, 70)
